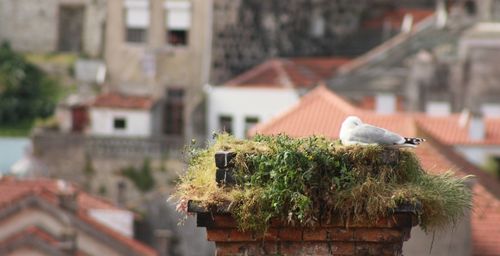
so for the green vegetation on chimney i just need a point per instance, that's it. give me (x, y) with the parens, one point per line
(309, 180)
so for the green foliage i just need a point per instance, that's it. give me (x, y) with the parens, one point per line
(25, 91)
(142, 178)
(103, 191)
(492, 166)
(310, 180)
(17, 129)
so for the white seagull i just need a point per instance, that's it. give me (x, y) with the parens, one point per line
(354, 132)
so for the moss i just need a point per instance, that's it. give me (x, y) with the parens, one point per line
(308, 180)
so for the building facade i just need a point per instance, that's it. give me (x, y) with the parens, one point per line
(161, 48)
(54, 25)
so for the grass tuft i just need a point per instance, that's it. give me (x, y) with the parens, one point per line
(309, 180)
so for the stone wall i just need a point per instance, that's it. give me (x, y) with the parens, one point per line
(247, 32)
(33, 26)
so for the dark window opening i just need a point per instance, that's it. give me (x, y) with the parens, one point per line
(470, 7)
(119, 123)
(174, 112)
(177, 37)
(71, 20)
(136, 35)
(249, 123)
(226, 124)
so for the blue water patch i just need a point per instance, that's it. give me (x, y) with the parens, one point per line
(11, 150)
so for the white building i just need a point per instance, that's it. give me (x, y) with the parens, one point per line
(265, 90)
(237, 109)
(115, 114)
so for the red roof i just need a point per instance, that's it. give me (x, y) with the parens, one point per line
(12, 190)
(447, 129)
(289, 73)
(37, 233)
(396, 17)
(118, 100)
(321, 112)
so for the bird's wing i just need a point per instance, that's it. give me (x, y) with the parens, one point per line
(370, 134)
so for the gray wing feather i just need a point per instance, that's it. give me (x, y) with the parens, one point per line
(370, 134)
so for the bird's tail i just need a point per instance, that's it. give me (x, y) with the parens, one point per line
(413, 142)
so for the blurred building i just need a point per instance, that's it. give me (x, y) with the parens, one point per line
(161, 48)
(445, 63)
(277, 84)
(246, 33)
(48, 26)
(52, 217)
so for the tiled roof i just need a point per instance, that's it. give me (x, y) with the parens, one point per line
(395, 17)
(447, 129)
(38, 234)
(118, 100)
(292, 72)
(321, 112)
(12, 190)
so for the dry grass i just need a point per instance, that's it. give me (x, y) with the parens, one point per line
(305, 181)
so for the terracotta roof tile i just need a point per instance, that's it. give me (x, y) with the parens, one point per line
(292, 72)
(37, 233)
(447, 130)
(117, 100)
(321, 112)
(12, 190)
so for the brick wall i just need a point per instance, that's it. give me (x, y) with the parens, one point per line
(383, 237)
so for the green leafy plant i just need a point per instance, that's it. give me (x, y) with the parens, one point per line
(311, 180)
(26, 92)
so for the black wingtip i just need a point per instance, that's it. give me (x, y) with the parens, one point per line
(414, 141)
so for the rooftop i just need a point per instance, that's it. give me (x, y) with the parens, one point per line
(118, 100)
(12, 191)
(289, 72)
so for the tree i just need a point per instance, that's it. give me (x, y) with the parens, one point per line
(26, 92)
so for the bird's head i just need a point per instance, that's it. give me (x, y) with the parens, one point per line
(351, 122)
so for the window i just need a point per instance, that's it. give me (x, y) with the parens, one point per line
(178, 22)
(174, 112)
(249, 123)
(119, 123)
(136, 20)
(317, 25)
(226, 124)
(438, 108)
(495, 10)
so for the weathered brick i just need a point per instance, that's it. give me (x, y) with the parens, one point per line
(385, 249)
(378, 235)
(236, 235)
(217, 235)
(224, 221)
(341, 248)
(304, 248)
(290, 234)
(272, 234)
(330, 234)
(246, 248)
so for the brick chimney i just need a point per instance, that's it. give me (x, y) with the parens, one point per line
(382, 237)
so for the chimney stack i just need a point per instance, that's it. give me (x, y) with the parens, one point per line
(67, 196)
